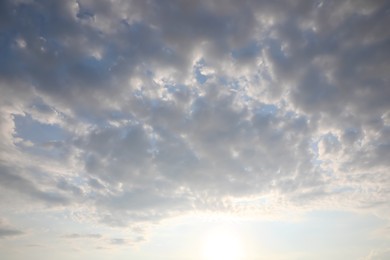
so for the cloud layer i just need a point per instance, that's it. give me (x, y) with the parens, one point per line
(137, 111)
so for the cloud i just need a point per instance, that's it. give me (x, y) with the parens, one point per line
(141, 111)
(126, 242)
(76, 235)
(13, 182)
(7, 231)
(378, 254)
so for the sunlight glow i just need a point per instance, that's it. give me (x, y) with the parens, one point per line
(222, 243)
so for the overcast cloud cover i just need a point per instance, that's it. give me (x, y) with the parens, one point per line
(128, 113)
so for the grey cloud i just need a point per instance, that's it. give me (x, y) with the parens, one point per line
(142, 200)
(66, 186)
(56, 59)
(126, 241)
(95, 183)
(329, 78)
(380, 254)
(188, 160)
(77, 235)
(118, 241)
(185, 104)
(15, 182)
(9, 232)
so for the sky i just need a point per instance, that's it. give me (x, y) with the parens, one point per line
(183, 129)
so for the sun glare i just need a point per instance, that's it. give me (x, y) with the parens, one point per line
(222, 243)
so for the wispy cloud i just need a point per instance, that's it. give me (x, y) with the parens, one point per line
(6, 230)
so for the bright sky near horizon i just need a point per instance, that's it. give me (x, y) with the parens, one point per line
(195, 130)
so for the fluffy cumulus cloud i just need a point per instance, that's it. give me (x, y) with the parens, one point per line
(133, 112)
